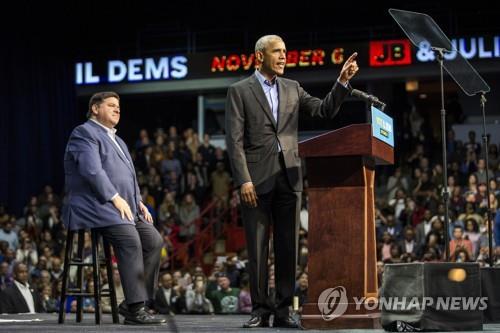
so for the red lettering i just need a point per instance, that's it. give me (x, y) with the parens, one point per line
(247, 61)
(292, 58)
(304, 58)
(338, 56)
(218, 64)
(317, 57)
(233, 62)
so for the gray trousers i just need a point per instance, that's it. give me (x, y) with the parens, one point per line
(138, 250)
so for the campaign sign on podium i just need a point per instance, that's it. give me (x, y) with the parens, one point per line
(382, 127)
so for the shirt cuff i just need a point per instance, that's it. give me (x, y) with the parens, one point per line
(246, 183)
(114, 196)
(346, 85)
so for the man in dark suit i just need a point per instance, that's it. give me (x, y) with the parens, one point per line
(19, 297)
(102, 193)
(168, 299)
(262, 115)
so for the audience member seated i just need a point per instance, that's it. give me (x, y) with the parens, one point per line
(245, 299)
(168, 299)
(460, 243)
(120, 297)
(225, 298)
(301, 290)
(196, 300)
(19, 297)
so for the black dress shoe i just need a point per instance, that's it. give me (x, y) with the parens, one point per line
(287, 322)
(123, 310)
(257, 321)
(142, 317)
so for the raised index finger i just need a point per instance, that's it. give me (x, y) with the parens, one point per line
(352, 57)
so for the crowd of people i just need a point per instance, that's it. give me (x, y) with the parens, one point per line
(180, 174)
(410, 209)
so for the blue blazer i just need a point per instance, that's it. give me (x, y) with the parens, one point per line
(95, 170)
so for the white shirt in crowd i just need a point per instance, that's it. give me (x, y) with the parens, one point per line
(26, 292)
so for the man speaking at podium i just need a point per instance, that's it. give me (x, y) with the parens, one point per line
(262, 113)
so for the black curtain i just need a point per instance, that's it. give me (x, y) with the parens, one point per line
(37, 113)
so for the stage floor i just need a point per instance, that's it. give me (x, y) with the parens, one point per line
(42, 323)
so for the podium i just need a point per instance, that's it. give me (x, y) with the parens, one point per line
(342, 248)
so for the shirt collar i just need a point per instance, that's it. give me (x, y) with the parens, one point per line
(20, 285)
(263, 81)
(111, 131)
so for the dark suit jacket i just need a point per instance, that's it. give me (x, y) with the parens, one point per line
(12, 301)
(252, 134)
(95, 170)
(398, 232)
(176, 303)
(402, 246)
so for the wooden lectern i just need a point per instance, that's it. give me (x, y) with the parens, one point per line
(342, 248)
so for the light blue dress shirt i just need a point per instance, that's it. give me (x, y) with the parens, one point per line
(271, 91)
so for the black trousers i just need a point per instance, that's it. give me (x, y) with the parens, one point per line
(138, 250)
(278, 209)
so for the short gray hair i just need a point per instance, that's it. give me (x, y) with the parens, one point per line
(263, 41)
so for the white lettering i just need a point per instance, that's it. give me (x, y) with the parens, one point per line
(179, 67)
(414, 304)
(482, 52)
(469, 48)
(79, 73)
(89, 76)
(484, 303)
(442, 303)
(455, 303)
(470, 303)
(399, 305)
(428, 301)
(358, 301)
(134, 70)
(117, 70)
(386, 304)
(462, 48)
(371, 303)
(154, 71)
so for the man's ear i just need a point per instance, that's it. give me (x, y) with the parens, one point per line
(260, 56)
(95, 107)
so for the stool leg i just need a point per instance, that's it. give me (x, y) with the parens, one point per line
(67, 258)
(79, 276)
(97, 277)
(112, 291)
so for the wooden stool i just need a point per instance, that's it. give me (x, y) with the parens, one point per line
(79, 291)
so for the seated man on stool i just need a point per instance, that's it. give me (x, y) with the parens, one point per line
(102, 194)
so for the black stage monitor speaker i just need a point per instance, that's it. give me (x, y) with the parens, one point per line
(490, 278)
(432, 297)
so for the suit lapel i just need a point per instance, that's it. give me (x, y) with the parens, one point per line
(20, 298)
(261, 98)
(124, 159)
(282, 95)
(102, 132)
(124, 148)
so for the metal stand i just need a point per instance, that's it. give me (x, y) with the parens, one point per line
(486, 159)
(446, 195)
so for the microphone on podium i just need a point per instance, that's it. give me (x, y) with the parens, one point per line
(368, 98)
